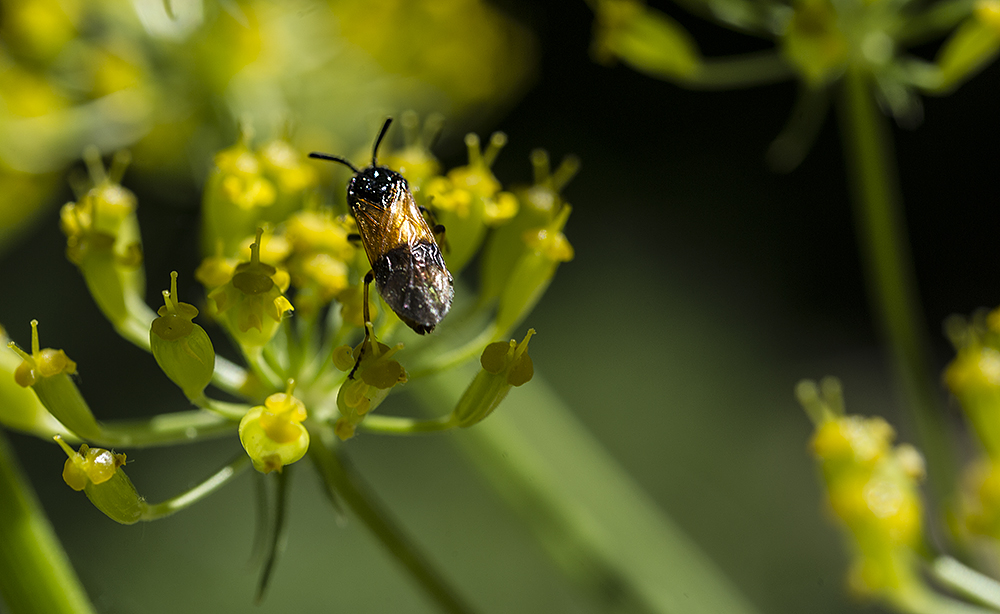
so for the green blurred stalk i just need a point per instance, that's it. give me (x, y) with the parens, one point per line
(343, 483)
(605, 533)
(891, 282)
(35, 573)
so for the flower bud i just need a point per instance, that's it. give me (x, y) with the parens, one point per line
(974, 377)
(20, 409)
(504, 364)
(468, 200)
(372, 379)
(272, 433)
(48, 373)
(181, 347)
(979, 499)
(645, 39)
(415, 161)
(292, 177)
(97, 472)
(540, 204)
(251, 305)
(971, 47)
(319, 263)
(547, 247)
(102, 239)
(814, 43)
(872, 489)
(216, 271)
(235, 197)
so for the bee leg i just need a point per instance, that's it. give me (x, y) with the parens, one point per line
(438, 229)
(354, 239)
(369, 278)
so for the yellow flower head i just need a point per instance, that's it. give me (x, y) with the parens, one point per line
(272, 433)
(99, 474)
(871, 488)
(181, 347)
(240, 176)
(40, 363)
(415, 160)
(252, 303)
(103, 219)
(313, 230)
(94, 465)
(373, 374)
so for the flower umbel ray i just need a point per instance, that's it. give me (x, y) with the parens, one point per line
(326, 367)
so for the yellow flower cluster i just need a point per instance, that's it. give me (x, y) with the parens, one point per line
(973, 377)
(872, 488)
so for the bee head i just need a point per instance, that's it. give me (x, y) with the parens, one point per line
(374, 184)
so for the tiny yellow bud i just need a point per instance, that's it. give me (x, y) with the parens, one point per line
(415, 161)
(467, 200)
(181, 347)
(505, 364)
(98, 473)
(539, 205)
(272, 434)
(48, 373)
(376, 374)
(252, 304)
(102, 239)
(547, 248)
(814, 43)
(974, 378)
(236, 197)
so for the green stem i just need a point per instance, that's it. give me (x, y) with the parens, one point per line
(967, 582)
(164, 430)
(924, 601)
(36, 576)
(739, 71)
(593, 519)
(396, 425)
(219, 479)
(278, 533)
(228, 375)
(341, 480)
(936, 21)
(225, 409)
(804, 123)
(891, 282)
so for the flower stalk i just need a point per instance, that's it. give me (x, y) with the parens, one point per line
(891, 282)
(36, 576)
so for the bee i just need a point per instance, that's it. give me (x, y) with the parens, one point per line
(407, 265)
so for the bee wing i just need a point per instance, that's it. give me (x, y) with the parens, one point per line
(384, 226)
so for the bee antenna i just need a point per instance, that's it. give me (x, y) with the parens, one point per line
(323, 156)
(378, 141)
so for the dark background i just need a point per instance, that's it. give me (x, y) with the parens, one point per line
(704, 286)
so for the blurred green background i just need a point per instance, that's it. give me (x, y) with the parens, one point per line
(704, 286)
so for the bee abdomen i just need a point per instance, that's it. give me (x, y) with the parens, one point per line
(414, 281)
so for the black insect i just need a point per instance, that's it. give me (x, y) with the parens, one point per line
(407, 265)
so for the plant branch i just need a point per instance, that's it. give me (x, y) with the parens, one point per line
(36, 576)
(397, 425)
(967, 581)
(891, 282)
(739, 71)
(342, 481)
(216, 481)
(164, 429)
